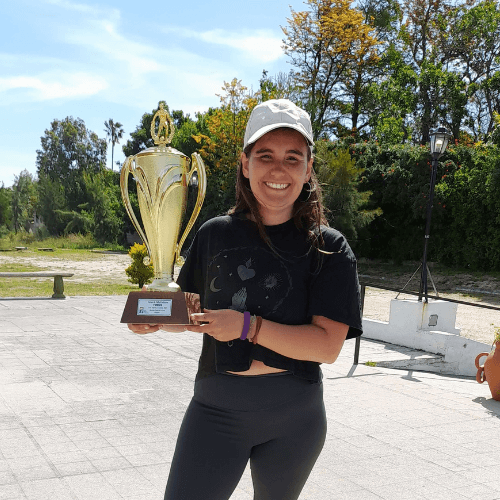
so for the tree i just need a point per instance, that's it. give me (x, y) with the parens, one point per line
(101, 214)
(104, 204)
(221, 145)
(393, 100)
(470, 37)
(339, 178)
(422, 84)
(114, 132)
(185, 129)
(23, 201)
(226, 126)
(69, 152)
(385, 16)
(51, 200)
(325, 43)
(69, 149)
(421, 34)
(280, 86)
(370, 67)
(5, 207)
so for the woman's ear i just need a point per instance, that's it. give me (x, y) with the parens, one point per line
(244, 165)
(309, 169)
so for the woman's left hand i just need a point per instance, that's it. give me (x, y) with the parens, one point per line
(222, 324)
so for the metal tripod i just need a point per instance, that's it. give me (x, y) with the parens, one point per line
(420, 292)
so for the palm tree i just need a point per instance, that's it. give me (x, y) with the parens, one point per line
(114, 132)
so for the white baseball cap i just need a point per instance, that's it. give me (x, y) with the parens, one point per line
(277, 113)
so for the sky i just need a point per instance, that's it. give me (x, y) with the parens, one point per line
(117, 58)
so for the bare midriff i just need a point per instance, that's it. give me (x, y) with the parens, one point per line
(258, 368)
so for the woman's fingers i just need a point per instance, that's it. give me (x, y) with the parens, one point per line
(199, 317)
(143, 328)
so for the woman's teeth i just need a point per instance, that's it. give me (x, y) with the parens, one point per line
(276, 186)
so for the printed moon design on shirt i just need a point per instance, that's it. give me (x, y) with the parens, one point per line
(213, 288)
(248, 279)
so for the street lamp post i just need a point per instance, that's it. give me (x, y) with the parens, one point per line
(438, 141)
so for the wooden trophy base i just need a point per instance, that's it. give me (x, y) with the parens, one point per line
(161, 308)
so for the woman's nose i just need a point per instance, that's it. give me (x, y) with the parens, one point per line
(278, 166)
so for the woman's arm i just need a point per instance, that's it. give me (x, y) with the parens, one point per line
(321, 341)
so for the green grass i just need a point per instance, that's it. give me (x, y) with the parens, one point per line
(71, 248)
(71, 241)
(18, 268)
(43, 287)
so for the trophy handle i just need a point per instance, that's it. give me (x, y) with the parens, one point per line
(126, 170)
(197, 166)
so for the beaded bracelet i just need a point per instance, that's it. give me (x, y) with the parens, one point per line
(252, 321)
(251, 331)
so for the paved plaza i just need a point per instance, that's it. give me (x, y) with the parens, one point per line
(91, 411)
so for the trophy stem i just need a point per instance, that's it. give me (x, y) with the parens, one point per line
(165, 283)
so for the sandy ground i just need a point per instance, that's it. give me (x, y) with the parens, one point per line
(107, 266)
(475, 323)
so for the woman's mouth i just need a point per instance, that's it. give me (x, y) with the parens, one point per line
(273, 185)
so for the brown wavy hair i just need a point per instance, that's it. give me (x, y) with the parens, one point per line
(308, 211)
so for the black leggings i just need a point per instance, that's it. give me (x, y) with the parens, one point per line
(277, 421)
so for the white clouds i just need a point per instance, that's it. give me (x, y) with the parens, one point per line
(94, 52)
(103, 39)
(258, 45)
(42, 88)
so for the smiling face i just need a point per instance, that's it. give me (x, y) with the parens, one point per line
(277, 168)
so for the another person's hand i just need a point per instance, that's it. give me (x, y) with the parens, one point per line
(222, 324)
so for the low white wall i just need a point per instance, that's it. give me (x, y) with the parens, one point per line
(429, 327)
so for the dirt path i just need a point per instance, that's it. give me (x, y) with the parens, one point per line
(475, 323)
(106, 266)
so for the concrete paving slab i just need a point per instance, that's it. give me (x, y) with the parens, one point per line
(88, 410)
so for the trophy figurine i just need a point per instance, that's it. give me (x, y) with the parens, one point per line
(162, 175)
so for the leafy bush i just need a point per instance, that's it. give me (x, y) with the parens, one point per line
(339, 178)
(139, 272)
(465, 223)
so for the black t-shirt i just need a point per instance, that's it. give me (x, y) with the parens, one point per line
(232, 267)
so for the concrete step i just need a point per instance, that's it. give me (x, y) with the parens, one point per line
(402, 358)
(432, 363)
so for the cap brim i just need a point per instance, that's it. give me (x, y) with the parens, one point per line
(268, 128)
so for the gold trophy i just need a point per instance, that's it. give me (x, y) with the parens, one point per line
(162, 175)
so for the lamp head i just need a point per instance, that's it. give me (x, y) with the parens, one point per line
(439, 138)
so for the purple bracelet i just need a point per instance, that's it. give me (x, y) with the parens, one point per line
(246, 325)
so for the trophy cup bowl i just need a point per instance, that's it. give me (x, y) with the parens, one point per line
(162, 175)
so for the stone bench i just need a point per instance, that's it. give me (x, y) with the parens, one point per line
(58, 279)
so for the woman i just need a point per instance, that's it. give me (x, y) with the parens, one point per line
(280, 294)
